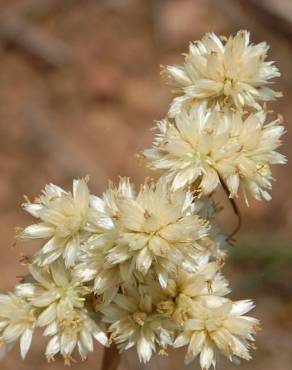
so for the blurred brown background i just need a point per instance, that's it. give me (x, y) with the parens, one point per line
(79, 91)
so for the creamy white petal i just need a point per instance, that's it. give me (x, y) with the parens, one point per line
(25, 342)
(38, 231)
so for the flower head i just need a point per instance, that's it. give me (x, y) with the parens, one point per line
(187, 288)
(232, 72)
(59, 299)
(134, 322)
(157, 228)
(204, 147)
(73, 328)
(221, 327)
(63, 218)
(17, 321)
(52, 288)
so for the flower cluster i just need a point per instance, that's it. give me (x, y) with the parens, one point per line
(207, 147)
(142, 268)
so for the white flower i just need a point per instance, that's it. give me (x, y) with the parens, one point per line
(202, 147)
(133, 322)
(218, 327)
(17, 321)
(60, 300)
(187, 288)
(63, 217)
(51, 288)
(157, 228)
(73, 328)
(234, 73)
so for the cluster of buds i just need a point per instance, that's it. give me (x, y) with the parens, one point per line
(142, 268)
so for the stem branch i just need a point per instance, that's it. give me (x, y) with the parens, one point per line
(235, 210)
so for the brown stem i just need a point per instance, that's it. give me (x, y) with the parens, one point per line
(235, 210)
(111, 358)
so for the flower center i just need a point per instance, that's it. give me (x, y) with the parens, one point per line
(71, 324)
(166, 307)
(71, 225)
(196, 158)
(139, 318)
(211, 324)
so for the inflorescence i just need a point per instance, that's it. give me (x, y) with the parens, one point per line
(142, 268)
